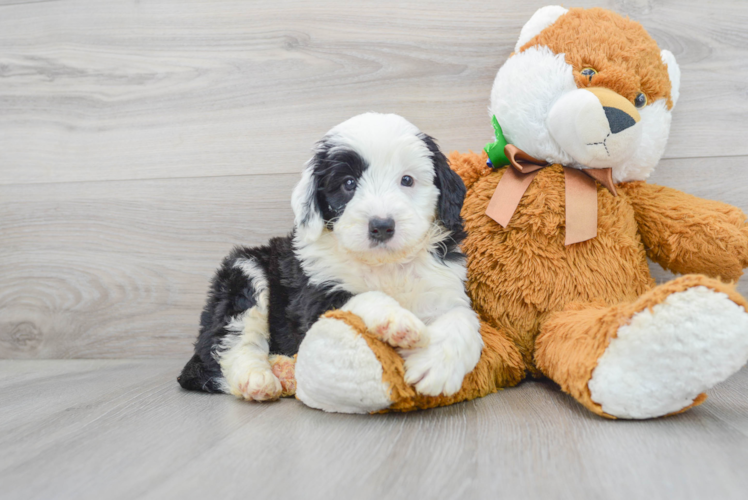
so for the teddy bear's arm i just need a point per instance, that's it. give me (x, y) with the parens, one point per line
(469, 166)
(687, 234)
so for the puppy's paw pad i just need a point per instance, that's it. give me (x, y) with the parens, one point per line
(402, 329)
(261, 385)
(285, 369)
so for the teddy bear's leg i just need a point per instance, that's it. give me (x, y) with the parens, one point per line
(651, 357)
(337, 371)
(343, 368)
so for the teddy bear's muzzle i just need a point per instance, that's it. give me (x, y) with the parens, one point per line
(596, 126)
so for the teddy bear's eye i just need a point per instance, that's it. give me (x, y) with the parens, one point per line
(588, 72)
(640, 101)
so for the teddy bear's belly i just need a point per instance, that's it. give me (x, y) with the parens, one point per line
(519, 274)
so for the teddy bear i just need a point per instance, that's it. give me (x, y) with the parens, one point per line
(560, 222)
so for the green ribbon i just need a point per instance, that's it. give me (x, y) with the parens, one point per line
(495, 150)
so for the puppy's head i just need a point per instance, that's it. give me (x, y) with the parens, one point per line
(381, 188)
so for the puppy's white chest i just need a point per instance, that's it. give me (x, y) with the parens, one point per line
(399, 282)
(421, 286)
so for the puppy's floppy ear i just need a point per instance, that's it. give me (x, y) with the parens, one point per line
(451, 191)
(307, 217)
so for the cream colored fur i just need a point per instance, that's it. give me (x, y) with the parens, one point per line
(345, 384)
(665, 357)
(243, 354)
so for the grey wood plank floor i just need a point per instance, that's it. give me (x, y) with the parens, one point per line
(140, 140)
(123, 429)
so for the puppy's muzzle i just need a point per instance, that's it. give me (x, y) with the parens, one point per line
(381, 230)
(597, 127)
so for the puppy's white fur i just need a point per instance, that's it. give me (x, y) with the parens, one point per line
(243, 353)
(402, 290)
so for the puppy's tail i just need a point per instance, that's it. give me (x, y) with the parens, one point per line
(198, 376)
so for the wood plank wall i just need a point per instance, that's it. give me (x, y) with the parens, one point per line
(140, 140)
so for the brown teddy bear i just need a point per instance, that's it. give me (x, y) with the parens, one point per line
(560, 221)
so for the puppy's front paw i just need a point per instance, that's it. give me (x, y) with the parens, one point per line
(401, 328)
(259, 385)
(432, 371)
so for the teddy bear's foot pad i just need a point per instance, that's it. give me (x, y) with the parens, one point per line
(667, 355)
(336, 371)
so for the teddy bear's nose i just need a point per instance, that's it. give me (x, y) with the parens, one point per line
(617, 119)
(596, 126)
(619, 111)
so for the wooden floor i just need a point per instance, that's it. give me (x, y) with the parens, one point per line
(140, 140)
(122, 429)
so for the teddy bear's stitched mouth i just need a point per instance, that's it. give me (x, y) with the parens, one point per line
(603, 143)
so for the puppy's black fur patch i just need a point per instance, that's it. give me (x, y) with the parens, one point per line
(451, 197)
(294, 305)
(333, 167)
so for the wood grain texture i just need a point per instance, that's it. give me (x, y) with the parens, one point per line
(123, 429)
(140, 141)
(162, 89)
(119, 269)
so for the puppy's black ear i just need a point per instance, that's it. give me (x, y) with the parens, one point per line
(451, 192)
(308, 219)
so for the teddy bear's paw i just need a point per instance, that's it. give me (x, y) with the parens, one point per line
(336, 371)
(257, 385)
(432, 371)
(400, 328)
(670, 353)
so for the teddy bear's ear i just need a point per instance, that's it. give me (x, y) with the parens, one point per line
(673, 72)
(544, 17)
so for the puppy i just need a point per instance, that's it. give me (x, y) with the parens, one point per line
(376, 232)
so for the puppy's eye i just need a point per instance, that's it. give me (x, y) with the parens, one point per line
(349, 184)
(640, 101)
(406, 181)
(588, 72)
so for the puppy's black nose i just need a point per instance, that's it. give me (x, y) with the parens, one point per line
(381, 230)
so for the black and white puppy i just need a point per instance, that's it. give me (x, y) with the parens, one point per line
(377, 229)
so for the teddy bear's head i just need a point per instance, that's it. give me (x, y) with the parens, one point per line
(588, 89)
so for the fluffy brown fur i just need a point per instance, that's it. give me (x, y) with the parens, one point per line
(559, 305)
(573, 340)
(551, 309)
(499, 366)
(626, 58)
(520, 274)
(686, 234)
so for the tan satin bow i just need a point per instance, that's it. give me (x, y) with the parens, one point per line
(581, 193)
